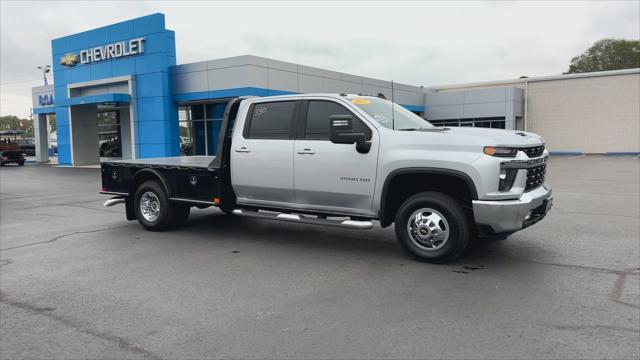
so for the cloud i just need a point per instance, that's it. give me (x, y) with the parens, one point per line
(420, 43)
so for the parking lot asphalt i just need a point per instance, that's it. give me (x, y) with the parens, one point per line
(79, 281)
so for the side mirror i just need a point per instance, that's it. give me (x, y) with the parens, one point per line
(341, 130)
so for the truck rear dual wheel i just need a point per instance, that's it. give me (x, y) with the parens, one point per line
(432, 227)
(154, 210)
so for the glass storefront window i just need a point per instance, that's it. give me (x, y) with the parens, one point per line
(199, 126)
(109, 134)
(494, 123)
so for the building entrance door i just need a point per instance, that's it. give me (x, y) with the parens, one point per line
(100, 132)
(109, 136)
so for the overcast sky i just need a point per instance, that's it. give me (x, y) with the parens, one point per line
(419, 43)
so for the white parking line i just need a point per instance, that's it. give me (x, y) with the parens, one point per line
(636, 157)
(576, 157)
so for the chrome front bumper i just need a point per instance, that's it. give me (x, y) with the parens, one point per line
(512, 215)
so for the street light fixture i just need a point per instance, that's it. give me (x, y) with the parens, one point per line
(45, 69)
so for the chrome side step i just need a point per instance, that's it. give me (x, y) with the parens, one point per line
(352, 224)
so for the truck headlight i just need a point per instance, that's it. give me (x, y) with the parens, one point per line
(500, 151)
(507, 177)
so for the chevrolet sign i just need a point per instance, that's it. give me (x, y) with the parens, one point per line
(69, 60)
(100, 53)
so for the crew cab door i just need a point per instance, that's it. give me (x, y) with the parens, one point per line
(262, 154)
(332, 177)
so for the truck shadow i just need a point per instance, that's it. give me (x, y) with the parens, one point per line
(377, 242)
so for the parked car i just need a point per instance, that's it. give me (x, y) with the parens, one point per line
(10, 151)
(27, 146)
(110, 147)
(11, 156)
(347, 160)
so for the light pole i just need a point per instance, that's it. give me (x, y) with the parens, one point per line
(45, 69)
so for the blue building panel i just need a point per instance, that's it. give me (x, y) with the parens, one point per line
(148, 24)
(80, 74)
(64, 143)
(151, 63)
(99, 99)
(44, 110)
(62, 116)
(151, 108)
(64, 155)
(156, 43)
(101, 70)
(153, 150)
(62, 76)
(121, 31)
(99, 36)
(80, 41)
(60, 96)
(154, 84)
(201, 95)
(63, 135)
(153, 132)
(171, 42)
(122, 67)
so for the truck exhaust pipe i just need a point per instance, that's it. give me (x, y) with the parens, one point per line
(114, 201)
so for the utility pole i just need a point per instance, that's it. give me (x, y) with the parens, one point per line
(45, 69)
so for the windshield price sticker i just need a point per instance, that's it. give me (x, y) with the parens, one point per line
(359, 101)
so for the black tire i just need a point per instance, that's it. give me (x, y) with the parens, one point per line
(453, 213)
(21, 163)
(180, 213)
(164, 218)
(1, 164)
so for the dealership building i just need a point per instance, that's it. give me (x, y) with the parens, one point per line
(119, 93)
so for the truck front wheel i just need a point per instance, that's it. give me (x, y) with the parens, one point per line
(152, 206)
(432, 227)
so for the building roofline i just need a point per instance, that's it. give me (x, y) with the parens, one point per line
(535, 79)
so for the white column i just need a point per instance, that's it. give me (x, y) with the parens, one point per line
(84, 135)
(41, 140)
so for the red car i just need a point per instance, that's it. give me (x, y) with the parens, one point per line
(10, 151)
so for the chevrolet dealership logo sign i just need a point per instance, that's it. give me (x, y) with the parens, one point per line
(100, 53)
(69, 60)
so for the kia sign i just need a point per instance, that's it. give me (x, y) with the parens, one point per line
(106, 52)
(45, 100)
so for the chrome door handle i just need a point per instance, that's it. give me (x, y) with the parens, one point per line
(242, 150)
(306, 151)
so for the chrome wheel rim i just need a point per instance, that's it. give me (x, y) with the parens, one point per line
(150, 206)
(428, 229)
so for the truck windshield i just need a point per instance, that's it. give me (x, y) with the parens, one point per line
(381, 111)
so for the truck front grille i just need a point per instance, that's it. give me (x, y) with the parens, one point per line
(535, 177)
(533, 151)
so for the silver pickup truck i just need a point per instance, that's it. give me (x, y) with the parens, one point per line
(347, 160)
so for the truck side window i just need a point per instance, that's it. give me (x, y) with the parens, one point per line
(271, 120)
(317, 120)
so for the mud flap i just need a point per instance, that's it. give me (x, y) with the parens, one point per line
(128, 204)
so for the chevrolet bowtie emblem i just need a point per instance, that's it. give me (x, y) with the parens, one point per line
(69, 60)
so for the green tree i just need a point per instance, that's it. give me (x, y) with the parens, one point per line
(607, 54)
(12, 122)
(52, 122)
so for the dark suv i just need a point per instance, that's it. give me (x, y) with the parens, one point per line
(11, 156)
